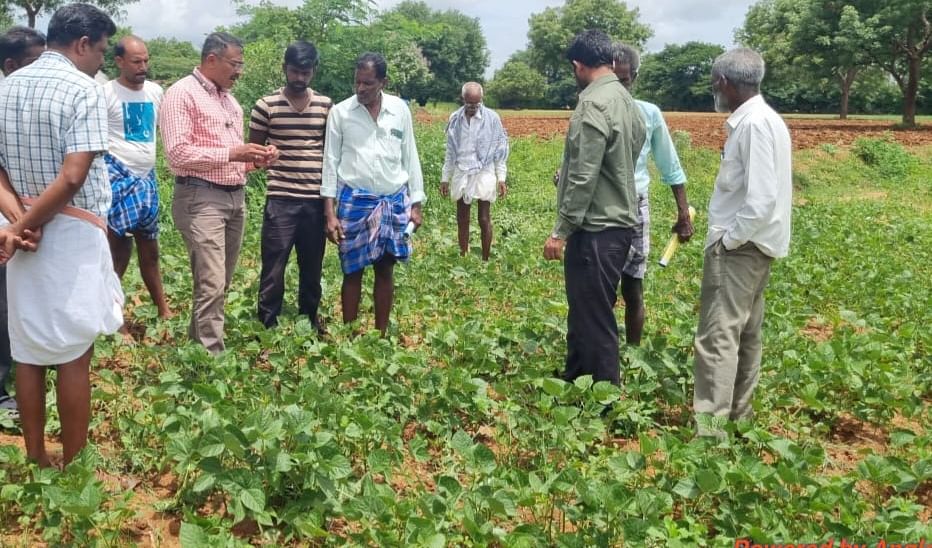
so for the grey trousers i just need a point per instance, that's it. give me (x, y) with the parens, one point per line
(728, 340)
(211, 221)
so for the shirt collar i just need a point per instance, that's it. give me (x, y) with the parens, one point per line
(746, 108)
(57, 57)
(597, 83)
(385, 104)
(205, 83)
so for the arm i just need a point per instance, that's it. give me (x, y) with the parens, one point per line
(501, 163)
(10, 205)
(586, 143)
(760, 181)
(259, 124)
(70, 179)
(333, 145)
(412, 163)
(177, 126)
(449, 156)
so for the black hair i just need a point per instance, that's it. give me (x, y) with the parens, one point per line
(302, 54)
(218, 42)
(119, 49)
(72, 21)
(16, 41)
(592, 48)
(376, 61)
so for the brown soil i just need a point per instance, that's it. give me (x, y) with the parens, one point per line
(707, 130)
(817, 330)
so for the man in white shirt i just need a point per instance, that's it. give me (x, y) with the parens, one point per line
(132, 110)
(749, 226)
(373, 174)
(476, 159)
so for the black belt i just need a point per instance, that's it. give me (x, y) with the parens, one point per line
(197, 181)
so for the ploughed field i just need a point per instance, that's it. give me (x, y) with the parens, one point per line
(707, 129)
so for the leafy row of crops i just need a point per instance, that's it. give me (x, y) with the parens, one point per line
(454, 430)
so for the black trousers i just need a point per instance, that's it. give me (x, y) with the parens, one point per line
(592, 269)
(291, 224)
(6, 360)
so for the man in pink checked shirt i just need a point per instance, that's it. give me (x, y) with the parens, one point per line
(202, 130)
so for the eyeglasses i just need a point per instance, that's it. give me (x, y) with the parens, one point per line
(238, 65)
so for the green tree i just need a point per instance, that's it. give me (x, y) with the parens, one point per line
(551, 30)
(33, 8)
(790, 85)
(900, 34)
(171, 59)
(677, 77)
(516, 84)
(828, 38)
(452, 44)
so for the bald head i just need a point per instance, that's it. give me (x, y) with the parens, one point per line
(132, 58)
(472, 97)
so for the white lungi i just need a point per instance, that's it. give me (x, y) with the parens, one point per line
(479, 186)
(63, 295)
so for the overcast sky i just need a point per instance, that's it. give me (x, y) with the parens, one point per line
(504, 22)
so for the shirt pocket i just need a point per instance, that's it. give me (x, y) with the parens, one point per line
(730, 175)
(390, 142)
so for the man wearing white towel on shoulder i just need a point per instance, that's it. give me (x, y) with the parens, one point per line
(474, 167)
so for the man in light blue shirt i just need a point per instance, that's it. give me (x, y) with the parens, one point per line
(660, 145)
(372, 186)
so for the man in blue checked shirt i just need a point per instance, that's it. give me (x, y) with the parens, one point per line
(660, 145)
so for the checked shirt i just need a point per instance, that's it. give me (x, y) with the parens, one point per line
(47, 110)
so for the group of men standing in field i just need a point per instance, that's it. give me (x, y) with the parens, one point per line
(603, 222)
(78, 186)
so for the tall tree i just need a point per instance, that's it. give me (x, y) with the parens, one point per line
(34, 8)
(901, 36)
(828, 37)
(677, 77)
(516, 84)
(551, 30)
(451, 42)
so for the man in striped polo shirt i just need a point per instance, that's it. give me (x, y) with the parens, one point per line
(294, 119)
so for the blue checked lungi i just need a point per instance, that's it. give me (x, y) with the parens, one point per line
(135, 207)
(373, 226)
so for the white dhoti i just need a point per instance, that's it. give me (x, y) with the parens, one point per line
(63, 295)
(478, 186)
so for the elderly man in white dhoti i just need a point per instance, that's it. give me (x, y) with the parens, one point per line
(55, 191)
(475, 165)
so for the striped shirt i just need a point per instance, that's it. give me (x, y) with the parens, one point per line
(299, 137)
(200, 123)
(50, 109)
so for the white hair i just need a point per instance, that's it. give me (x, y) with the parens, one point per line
(469, 85)
(741, 67)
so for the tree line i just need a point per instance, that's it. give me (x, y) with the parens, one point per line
(840, 56)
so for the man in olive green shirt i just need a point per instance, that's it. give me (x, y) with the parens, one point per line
(597, 207)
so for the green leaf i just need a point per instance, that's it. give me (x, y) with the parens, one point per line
(553, 386)
(484, 458)
(708, 481)
(204, 482)
(686, 488)
(253, 499)
(192, 536)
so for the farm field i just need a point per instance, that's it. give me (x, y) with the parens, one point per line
(454, 431)
(707, 129)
